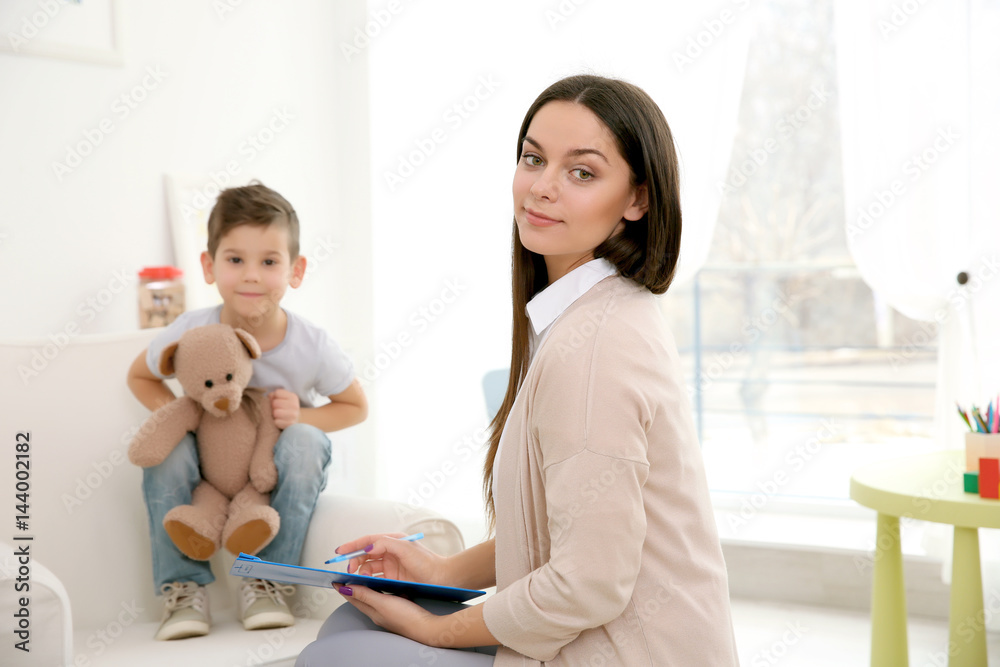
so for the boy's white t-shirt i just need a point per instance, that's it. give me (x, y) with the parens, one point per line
(308, 362)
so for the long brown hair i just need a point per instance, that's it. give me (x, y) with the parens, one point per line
(646, 251)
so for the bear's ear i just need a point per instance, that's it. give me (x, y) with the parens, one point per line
(249, 342)
(167, 360)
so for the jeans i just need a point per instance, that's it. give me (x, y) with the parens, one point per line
(301, 455)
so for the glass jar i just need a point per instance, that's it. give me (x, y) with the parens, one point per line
(161, 295)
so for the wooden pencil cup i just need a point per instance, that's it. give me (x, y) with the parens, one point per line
(980, 446)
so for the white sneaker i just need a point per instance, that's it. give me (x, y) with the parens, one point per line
(185, 611)
(262, 604)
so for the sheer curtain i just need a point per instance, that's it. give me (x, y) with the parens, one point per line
(904, 86)
(919, 99)
(704, 140)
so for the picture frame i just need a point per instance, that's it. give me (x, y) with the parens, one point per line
(87, 31)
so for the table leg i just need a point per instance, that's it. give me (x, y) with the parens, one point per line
(967, 630)
(889, 641)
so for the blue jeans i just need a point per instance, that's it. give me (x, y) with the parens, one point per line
(302, 456)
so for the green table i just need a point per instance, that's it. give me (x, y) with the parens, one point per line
(926, 487)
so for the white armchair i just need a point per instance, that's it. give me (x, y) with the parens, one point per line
(91, 598)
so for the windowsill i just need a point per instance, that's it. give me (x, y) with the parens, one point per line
(815, 555)
(804, 533)
(829, 560)
(828, 526)
(832, 528)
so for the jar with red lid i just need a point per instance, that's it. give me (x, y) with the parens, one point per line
(161, 295)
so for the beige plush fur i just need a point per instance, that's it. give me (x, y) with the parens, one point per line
(236, 436)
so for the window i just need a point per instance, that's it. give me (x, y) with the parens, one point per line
(798, 373)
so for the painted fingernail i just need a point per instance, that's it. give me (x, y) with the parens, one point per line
(345, 590)
(369, 548)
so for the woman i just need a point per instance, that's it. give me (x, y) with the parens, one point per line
(605, 549)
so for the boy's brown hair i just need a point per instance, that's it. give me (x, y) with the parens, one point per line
(254, 204)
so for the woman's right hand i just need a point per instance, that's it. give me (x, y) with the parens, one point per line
(395, 559)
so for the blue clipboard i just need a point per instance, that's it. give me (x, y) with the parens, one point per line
(251, 566)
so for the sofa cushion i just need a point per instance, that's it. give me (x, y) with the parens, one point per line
(85, 503)
(90, 527)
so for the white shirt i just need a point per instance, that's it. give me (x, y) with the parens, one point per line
(546, 306)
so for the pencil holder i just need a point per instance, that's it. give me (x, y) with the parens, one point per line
(980, 446)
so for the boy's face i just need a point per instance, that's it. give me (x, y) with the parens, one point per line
(252, 269)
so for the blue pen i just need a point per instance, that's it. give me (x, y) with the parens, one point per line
(361, 552)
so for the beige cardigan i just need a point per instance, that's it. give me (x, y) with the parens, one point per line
(606, 547)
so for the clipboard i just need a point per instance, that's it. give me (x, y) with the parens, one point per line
(251, 566)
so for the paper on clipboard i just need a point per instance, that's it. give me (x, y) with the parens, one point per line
(251, 566)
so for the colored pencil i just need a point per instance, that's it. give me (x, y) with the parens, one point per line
(964, 417)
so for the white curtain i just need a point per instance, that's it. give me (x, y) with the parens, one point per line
(919, 102)
(712, 89)
(904, 86)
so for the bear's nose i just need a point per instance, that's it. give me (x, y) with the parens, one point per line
(222, 404)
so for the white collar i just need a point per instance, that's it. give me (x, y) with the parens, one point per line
(547, 305)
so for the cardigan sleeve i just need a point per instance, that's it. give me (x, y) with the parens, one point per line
(590, 414)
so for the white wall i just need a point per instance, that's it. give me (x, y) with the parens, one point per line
(220, 78)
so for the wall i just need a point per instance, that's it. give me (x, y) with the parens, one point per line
(259, 88)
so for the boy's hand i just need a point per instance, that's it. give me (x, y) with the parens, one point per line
(284, 408)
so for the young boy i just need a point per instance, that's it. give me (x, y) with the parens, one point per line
(253, 257)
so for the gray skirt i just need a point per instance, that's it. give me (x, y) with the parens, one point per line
(348, 637)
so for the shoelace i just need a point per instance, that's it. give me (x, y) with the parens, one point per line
(257, 588)
(180, 595)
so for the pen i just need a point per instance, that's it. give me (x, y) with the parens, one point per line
(361, 552)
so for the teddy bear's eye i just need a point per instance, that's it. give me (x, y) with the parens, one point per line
(229, 377)
(209, 383)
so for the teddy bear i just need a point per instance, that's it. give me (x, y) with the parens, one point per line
(236, 435)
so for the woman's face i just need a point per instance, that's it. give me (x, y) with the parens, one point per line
(572, 188)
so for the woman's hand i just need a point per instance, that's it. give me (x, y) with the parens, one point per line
(395, 614)
(462, 628)
(393, 558)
